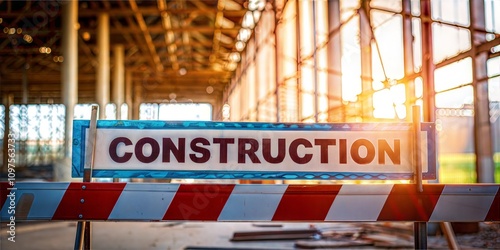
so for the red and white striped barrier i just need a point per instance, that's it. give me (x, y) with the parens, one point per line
(215, 202)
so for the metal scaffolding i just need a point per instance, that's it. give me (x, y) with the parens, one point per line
(365, 64)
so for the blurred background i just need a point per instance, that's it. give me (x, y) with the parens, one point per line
(251, 60)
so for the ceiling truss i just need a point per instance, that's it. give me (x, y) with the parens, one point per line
(170, 45)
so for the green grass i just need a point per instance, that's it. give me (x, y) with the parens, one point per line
(460, 168)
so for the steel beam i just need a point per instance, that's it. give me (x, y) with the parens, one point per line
(158, 29)
(150, 11)
(145, 30)
(169, 37)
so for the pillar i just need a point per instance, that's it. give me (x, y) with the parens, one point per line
(483, 144)
(334, 63)
(408, 59)
(137, 101)
(278, 64)
(307, 70)
(102, 84)
(69, 83)
(24, 83)
(315, 62)
(427, 63)
(118, 78)
(365, 42)
(8, 99)
(128, 92)
(217, 108)
(298, 44)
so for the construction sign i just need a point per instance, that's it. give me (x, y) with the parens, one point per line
(230, 150)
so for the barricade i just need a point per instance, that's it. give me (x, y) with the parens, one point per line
(107, 154)
(251, 202)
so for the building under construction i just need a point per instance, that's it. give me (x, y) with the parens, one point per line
(283, 77)
(252, 60)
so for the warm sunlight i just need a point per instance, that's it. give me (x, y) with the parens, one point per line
(297, 61)
(176, 111)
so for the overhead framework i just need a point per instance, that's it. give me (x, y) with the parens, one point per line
(369, 61)
(170, 46)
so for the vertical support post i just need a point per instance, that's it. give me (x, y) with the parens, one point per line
(8, 99)
(278, 63)
(334, 63)
(450, 235)
(299, 58)
(417, 161)
(483, 144)
(137, 101)
(23, 128)
(315, 63)
(79, 235)
(365, 36)
(69, 83)
(118, 78)
(216, 107)
(84, 231)
(420, 232)
(254, 93)
(408, 58)
(90, 152)
(420, 228)
(118, 82)
(102, 84)
(128, 92)
(427, 62)
(25, 83)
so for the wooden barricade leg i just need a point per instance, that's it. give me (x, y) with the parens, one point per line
(83, 237)
(450, 235)
(419, 227)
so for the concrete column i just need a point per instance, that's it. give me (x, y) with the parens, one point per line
(69, 82)
(483, 144)
(137, 101)
(366, 61)
(334, 63)
(102, 84)
(408, 58)
(118, 78)
(217, 108)
(128, 92)
(25, 83)
(8, 99)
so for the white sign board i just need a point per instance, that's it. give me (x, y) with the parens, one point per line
(256, 150)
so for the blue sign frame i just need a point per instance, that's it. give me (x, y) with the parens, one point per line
(80, 129)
